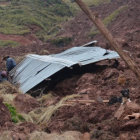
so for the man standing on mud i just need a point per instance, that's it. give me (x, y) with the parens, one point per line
(10, 63)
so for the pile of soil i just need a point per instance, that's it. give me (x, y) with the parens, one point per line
(25, 103)
(97, 116)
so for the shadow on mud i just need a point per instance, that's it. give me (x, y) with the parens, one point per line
(67, 73)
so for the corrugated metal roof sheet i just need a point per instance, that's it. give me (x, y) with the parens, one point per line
(35, 68)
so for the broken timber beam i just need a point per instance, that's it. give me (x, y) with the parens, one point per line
(87, 101)
(101, 27)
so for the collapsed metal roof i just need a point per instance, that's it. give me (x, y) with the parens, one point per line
(36, 68)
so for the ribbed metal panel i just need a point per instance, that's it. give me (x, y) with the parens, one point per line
(35, 68)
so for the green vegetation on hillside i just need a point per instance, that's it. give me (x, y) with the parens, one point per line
(18, 16)
(46, 14)
(8, 43)
(61, 41)
(14, 115)
(107, 20)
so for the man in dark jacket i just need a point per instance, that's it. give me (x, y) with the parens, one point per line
(10, 63)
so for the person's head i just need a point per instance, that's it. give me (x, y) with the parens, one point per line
(5, 58)
(4, 74)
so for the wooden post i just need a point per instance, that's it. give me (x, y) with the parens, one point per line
(101, 27)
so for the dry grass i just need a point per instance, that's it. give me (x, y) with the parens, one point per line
(8, 88)
(44, 52)
(34, 115)
(43, 115)
(8, 98)
(18, 59)
(8, 92)
(27, 117)
(45, 98)
(45, 118)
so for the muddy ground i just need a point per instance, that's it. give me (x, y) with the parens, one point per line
(103, 80)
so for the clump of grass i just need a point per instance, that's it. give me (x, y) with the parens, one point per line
(42, 115)
(34, 115)
(61, 41)
(16, 117)
(8, 88)
(45, 98)
(45, 118)
(107, 20)
(9, 43)
(28, 117)
(8, 98)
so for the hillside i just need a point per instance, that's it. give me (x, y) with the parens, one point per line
(26, 21)
(50, 115)
(24, 17)
(26, 24)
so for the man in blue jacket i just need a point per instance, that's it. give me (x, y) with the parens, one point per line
(10, 63)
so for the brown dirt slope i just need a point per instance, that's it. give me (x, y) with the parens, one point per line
(104, 82)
